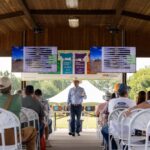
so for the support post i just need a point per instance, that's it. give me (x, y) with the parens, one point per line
(23, 83)
(55, 117)
(123, 36)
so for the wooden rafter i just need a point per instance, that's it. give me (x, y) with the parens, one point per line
(11, 15)
(136, 15)
(29, 19)
(73, 12)
(119, 9)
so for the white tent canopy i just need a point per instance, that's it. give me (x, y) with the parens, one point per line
(93, 94)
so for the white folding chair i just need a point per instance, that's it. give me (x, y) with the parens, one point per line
(123, 128)
(138, 120)
(112, 121)
(9, 120)
(32, 117)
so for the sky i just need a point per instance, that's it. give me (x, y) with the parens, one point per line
(17, 53)
(5, 64)
(95, 53)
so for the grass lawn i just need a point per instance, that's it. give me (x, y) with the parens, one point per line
(88, 123)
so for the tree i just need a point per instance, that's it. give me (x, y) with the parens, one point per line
(50, 88)
(104, 85)
(139, 81)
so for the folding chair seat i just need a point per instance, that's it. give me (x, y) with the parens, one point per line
(9, 121)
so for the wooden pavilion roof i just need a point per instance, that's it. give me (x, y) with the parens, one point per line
(19, 15)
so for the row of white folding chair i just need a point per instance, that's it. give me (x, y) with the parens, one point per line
(28, 116)
(9, 120)
(112, 120)
(139, 119)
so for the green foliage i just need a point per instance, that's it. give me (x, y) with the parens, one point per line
(139, 81)
(50, 88)
(104, 85)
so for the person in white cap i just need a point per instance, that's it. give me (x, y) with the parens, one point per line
(75, 99)
(13, 103)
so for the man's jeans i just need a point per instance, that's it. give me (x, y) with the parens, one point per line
(75, 113)
(105, 133)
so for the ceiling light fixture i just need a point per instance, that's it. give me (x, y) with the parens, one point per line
(72, 3)
(74, 22)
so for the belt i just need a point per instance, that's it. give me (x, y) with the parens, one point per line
(76, 104)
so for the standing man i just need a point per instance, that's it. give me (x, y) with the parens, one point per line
(75, 99)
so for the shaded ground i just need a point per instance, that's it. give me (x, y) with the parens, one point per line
(60, 140)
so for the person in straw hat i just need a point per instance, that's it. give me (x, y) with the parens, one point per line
(75, 99)
(13, 103)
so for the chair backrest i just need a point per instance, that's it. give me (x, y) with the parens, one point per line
(123, 117)
(115, 114)
(31, 115)
(124, 122)
(23, 117)
(9, 120)
(140, 120)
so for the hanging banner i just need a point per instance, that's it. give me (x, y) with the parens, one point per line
(67, 65)
(80, 63)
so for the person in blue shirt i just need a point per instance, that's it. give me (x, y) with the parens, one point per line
(75, 100)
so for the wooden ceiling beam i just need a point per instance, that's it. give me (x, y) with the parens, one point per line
(28, 17)
(11, 15)
(136, 15)
(72, 12)
(119, 9)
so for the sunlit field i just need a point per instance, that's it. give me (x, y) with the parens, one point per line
(88, 122)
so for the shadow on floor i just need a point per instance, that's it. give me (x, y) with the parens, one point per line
(60, 140)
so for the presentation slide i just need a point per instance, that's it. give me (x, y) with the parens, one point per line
(40, 59)
(119, 59)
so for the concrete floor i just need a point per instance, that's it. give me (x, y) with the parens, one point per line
(60, 140)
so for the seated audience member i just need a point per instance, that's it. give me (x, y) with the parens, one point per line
(102, 110)
(141, 97)
(148, 95)
(116, 87)
(29, 101)
(121, 102)
(144, 105)
(99, 108)
(46, 108)
(13, 103)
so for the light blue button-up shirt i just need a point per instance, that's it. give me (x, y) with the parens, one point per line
(76, 95)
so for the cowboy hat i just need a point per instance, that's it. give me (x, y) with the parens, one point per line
(76, 79)
(4, 83)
